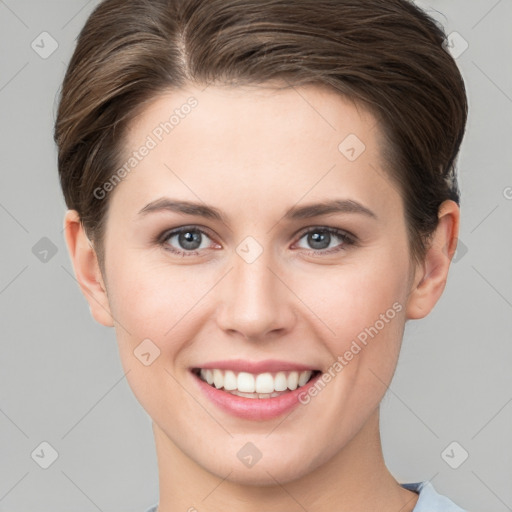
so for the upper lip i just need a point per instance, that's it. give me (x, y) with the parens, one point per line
(268, 365)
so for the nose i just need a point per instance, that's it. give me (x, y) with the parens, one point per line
(255, 302)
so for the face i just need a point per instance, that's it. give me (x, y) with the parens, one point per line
(260, 276)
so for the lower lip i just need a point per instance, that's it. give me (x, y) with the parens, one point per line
(254, 408)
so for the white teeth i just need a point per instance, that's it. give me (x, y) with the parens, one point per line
(293, 380)
(230, 380)
(281, 382)
(218, 379)
(303, 378)
(255, 395)
(263, 385)
(245, 382)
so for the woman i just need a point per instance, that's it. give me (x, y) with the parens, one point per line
(261, 195)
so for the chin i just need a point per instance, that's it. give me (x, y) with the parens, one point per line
(264, 472)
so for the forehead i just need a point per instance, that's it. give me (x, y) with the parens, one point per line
(256, 141)
(264, 110)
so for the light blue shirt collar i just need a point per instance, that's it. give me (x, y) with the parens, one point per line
(429, 499)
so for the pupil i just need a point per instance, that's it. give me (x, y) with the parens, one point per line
(187, 239)
(320, 237)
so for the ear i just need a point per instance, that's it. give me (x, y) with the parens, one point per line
(430, 276)
(87, 270)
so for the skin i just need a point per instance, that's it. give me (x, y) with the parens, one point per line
(253, 153)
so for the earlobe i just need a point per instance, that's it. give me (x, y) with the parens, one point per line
(430, 278)
(87, 270)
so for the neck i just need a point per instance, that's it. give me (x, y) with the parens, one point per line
(355, 479)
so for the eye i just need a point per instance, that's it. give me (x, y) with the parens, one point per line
(320, 238)
(185, 241)
(189, 240)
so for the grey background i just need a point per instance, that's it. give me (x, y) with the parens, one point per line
(61, 380)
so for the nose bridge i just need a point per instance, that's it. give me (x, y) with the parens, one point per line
(254, 299)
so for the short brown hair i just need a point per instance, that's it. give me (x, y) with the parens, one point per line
(387, 55)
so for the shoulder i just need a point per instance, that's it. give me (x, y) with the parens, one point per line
(430, 500)
(152, 508)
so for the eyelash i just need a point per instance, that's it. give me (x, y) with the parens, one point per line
(348, 239)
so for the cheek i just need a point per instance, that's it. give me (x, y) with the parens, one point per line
(156, 303)
(352, 299)
(363, 306)
(151, 299)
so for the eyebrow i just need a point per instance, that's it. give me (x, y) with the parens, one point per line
(295, 213)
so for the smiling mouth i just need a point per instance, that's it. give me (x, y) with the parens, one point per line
(250, 385)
